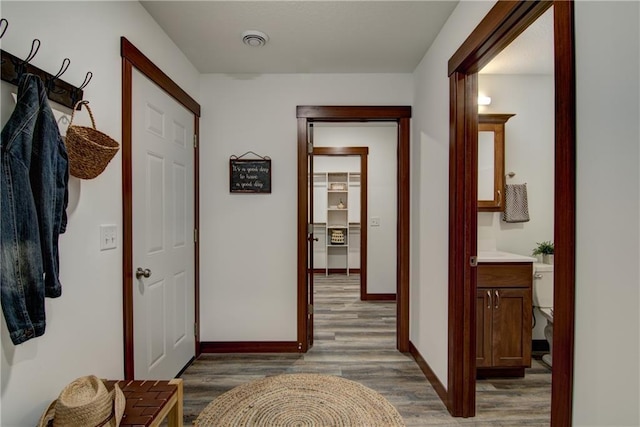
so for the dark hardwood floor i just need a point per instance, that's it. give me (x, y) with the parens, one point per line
(356, 340)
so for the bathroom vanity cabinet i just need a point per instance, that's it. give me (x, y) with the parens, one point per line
(503, 318)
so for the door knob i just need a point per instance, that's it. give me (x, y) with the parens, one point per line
(142, 273)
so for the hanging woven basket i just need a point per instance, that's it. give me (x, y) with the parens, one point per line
(89, 150)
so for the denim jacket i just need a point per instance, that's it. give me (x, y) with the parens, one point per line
(33, 198)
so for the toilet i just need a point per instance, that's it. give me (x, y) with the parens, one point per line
(543, 300)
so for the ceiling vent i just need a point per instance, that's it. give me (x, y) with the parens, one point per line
(254, 38)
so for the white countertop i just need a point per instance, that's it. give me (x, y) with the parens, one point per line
(498, 256)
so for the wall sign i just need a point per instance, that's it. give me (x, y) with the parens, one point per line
(249, 175)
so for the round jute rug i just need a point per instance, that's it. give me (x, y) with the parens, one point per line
(300, 400)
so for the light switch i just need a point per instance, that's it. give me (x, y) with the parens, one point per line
(108, 236)
(375, 221)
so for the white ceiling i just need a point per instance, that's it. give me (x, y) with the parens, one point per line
(530, 53)
(305, 36)
(319, 36)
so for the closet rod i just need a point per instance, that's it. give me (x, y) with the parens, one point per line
(57, 90)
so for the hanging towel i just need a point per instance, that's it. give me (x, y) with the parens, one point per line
(516, 207)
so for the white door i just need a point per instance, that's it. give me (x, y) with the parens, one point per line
(163, 232)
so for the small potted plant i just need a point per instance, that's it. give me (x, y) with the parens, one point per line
(546, 250)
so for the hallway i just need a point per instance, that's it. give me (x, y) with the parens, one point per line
(356, 340)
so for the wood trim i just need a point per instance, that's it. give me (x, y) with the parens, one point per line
(428, 372)
(363, 152)
(132, 57)
(378, 297)
(565, 214)
(249, 347)
(493, 118)
(151, 70)
(352, 113)
(401, 115)
(404, 216)
(364, 224)
(127, 226)
(340, 151)
(462, 235)
(303, 215)
(503, 24)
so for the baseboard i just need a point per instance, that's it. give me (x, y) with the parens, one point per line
(379, 297)
(428, 372)
(249, 347)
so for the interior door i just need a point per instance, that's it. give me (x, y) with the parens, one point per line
(310, 237)
(163, 232)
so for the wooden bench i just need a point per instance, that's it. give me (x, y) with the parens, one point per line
(149, 402)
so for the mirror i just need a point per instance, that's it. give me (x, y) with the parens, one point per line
(491, 161)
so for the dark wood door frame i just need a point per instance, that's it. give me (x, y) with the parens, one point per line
(504, 22)
(132, 57)
(362, 152)
(402, 116)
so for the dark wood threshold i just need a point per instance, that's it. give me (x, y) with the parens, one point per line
(500, 372)
(249, 347)
(428, 373)
(378, 297)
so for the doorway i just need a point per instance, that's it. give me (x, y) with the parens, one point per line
(132, 59)
(354, 173)
(307, 115)
(505, 21)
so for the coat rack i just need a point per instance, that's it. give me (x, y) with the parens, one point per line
(57, 89)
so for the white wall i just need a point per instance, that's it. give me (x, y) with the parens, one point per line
(248, 251)
(606, 386)
(430, 189)
(529, 152)
(382, 140)
(606, 375)
(84, 326)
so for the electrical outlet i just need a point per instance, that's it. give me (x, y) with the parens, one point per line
(108, 236)
(375, 221)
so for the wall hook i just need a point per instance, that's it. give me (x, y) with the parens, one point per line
(65, 65)
(4, 24)
(51, 83)
(22, 66)
(35, 47)
(77, 94)
(86, 81)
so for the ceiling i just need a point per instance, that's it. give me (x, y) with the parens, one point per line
(320, 36)
(530, 53)
(304, 36)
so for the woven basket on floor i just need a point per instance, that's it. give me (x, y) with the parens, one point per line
(89, 149)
